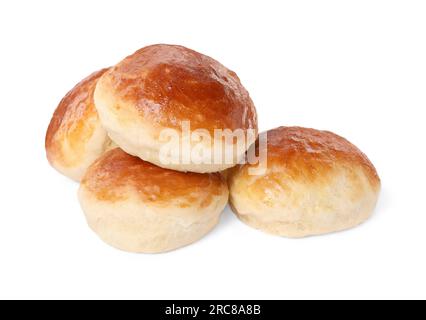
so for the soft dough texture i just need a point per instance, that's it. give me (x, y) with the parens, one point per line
(136, 206)
(75, 137)
(316, 182)
(160, 87)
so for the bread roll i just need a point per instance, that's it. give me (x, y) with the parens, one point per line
(316, 182)
(75, 137)
(138, 207)
(162, 88)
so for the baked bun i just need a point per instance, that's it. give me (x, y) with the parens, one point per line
(165, 88)
(136, 206)
(75, 137)
(316, 182)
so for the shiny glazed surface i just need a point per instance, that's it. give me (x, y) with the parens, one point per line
(170, 84)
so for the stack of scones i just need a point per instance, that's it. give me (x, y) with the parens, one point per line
(162, 141)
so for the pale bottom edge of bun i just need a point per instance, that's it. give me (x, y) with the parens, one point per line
(134, 227)
(150, 153)
(297, 230)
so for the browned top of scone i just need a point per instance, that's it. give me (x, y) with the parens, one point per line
(168, 84)
(116, 174)
(310, 154)
(74, 120)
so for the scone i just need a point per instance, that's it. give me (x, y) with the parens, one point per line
(178, 109)
(316, 182)
(75, 137)
(138, 207)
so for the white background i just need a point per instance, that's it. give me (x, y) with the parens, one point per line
(357, 68)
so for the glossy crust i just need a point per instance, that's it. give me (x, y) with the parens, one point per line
(113, 174)
(138, 207)
(164, 87)
(169, 84)
(306, 153)
(75, 138)
(316, 182)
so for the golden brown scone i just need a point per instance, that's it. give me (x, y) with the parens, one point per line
(162, 87)
(75, 137)
(316, 182)
(136, 206)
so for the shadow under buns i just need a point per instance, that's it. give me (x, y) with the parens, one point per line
(160, 87)
(316, 182)
(138, 207)
(75, 137)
